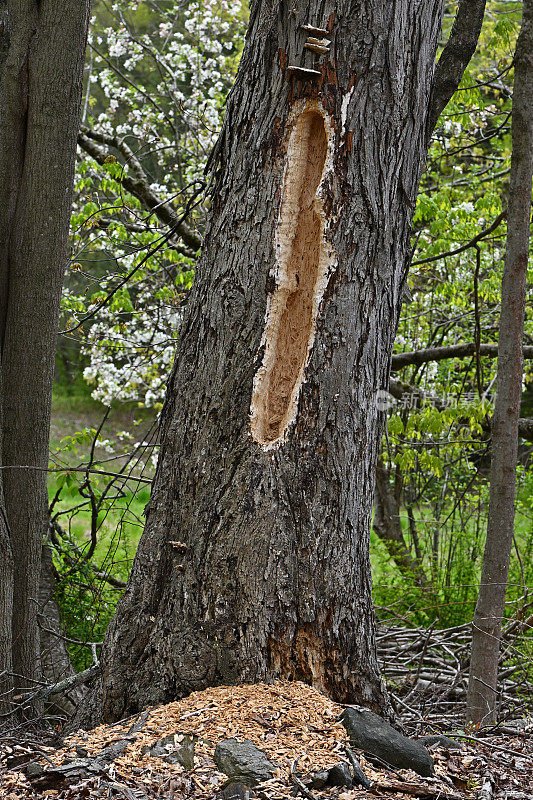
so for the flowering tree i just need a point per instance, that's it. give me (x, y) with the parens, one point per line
(155, 92)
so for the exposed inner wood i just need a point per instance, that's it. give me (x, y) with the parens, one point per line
(302, 265)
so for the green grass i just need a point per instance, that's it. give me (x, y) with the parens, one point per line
(87, 602)
(451, 598)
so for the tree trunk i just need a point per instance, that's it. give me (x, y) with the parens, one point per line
(43, 46)
(387, 526)
(254, 563)
(487, 623)
(55, 657)
(6, 595)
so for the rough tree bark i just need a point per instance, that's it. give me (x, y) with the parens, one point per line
(42, 47)
(6, 593)
(254, 561)
(486, 633)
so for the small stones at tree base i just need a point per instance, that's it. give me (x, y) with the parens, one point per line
(318, 779)
(235, 790)
(112, 752)
(174, 749)
(243, 761)
(34, 770)
(358, 776)
(338, 775)
(375, 736)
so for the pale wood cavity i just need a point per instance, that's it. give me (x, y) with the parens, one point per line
(302, 266)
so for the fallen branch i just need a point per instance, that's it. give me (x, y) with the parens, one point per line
(440, 685)
(414, 789)
(492, 746)
(485, 792)
(299, 784)
(57, 688)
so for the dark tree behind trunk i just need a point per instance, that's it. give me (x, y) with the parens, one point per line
(42, 47)
(387, 525)
(487, 624)
(254, 562)
(55, 658)
(6, 593)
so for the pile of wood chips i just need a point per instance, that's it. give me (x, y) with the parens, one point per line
(287, 721)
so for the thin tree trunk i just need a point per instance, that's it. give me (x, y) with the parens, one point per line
(254, 563)
(6, 596)
(40, 90)
(55, 657)
(482, 687)
(388, 527)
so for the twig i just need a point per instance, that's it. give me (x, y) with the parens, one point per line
(164, 239)
(299, 784)
(472, 243)
(415, 789)
(490, 744)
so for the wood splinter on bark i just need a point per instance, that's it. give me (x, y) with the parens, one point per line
(303, 73)
(317, 47)
(314, 31)
(303, 260)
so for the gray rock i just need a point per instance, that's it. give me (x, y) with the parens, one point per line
(439, 740)
(235, 790)
(177, 748)
(340, 775)
(358, 776)
(112, 752)
(34, 770)
(243, 761)
(374, 735)
(318, 779)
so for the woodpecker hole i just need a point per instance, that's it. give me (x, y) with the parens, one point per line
(302, 266)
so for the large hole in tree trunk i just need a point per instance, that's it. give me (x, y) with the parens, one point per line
(302, 263)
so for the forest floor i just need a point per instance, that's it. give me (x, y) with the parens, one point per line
(297, 728)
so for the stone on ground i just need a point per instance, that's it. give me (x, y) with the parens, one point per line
(375, 736)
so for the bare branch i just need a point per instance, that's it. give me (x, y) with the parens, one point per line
(137, 227)
(58, 688)
(472, 243)
(137, 182)
(401, 360)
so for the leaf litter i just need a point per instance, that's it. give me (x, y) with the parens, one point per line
(288, 721)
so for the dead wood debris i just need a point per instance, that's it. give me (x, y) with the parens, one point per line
(291, 722)
(427, 673)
